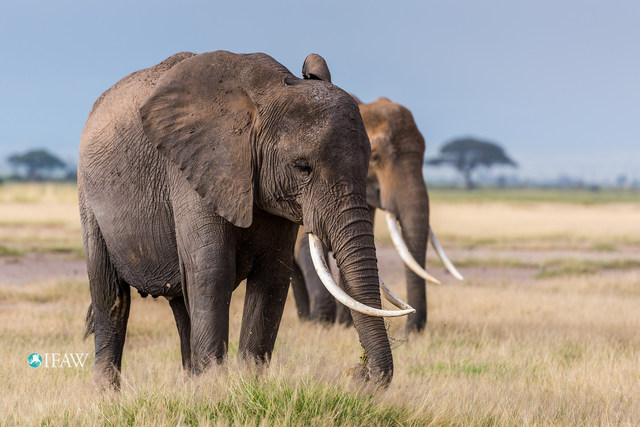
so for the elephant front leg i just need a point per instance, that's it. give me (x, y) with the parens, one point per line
(209, 292)
(266, 294)
(264, 302)
(183, 323)
(207, 255)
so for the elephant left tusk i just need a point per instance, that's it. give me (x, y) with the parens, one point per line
(393, 298)
(403, 250)
(315, 247)
(445, 259)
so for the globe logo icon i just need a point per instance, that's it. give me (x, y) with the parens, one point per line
(34, 360)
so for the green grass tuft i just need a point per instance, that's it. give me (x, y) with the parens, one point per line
(573, 267)
(462, 367)
(258, 402)
(5, 251)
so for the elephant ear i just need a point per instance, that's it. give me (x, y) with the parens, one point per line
(315, 67)
(200, 117)
(268, 61)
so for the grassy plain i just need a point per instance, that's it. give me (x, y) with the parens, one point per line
(550, 349)
(40, 218)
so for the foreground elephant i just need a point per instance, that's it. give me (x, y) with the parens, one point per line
(194, 175)
(394, 184)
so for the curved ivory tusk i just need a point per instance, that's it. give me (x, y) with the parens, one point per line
(403, 250)
(393, 298)
(445, 260)
(315, 247)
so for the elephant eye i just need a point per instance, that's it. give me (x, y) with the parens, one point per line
(302, 166)
(375, 158)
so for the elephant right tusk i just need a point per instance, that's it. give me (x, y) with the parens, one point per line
(393, 298)
(315, 247)
(445, 260)
(403, 250)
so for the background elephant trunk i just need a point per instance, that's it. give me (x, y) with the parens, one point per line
(354, 250)
(413, 213)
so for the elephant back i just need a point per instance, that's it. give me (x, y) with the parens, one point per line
(117, 108)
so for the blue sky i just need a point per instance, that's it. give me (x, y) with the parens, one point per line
(557, 83)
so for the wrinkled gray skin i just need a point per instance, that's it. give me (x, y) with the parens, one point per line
(194, 175)
(395, 184)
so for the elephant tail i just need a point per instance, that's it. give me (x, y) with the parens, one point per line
(89, 323)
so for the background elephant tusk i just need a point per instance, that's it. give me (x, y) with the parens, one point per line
(393, 298)
(445, 260)
(403, 250)
(315, 247)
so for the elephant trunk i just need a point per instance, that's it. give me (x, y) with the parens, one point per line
(413, 215)
(355, 254)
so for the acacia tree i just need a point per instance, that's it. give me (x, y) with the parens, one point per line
(467, 154)
(36, 162)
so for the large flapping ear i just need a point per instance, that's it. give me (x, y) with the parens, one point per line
(200, 117)
(315, 67)
(266, 60)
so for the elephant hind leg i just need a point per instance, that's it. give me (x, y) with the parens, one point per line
(110, 331)
(110, 304)
(183, 322)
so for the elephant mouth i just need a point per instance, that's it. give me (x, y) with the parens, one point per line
(315, 247)
(409, 260)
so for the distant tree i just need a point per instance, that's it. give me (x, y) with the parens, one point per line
(36, 162)
(467, 154)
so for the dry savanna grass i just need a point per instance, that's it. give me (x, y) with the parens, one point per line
(543, 225)
(39, 218)
(560, 349)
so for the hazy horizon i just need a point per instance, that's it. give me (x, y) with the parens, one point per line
(557, 85)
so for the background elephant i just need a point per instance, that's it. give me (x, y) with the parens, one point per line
(394, 184)
(194, 175)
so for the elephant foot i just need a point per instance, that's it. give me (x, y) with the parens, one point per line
(106, 378)
(414, 328)
(201, 365)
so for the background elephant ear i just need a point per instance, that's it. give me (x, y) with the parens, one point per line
(200, 117)
(315, 67)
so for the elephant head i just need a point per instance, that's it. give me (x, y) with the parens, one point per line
(395, 184)
(251, 138)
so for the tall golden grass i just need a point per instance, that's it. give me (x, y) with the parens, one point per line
(560, 350)
(39, 218)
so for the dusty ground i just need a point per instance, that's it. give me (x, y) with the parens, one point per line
(18, 270)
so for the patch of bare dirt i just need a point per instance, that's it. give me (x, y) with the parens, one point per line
(40, 267)
(392, 269)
